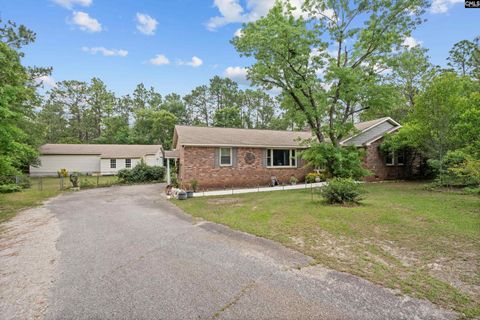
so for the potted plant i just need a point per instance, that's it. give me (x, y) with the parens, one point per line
(193, 186)
(181, 195)
(293, 180)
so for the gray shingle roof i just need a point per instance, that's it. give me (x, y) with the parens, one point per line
(369, 131)
(103, 150)
(214, 136)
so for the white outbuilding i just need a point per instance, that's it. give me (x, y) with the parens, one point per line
(103, 159)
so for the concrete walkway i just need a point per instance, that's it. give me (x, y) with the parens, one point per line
(258, 189)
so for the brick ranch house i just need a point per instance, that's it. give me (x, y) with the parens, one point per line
(232, 157)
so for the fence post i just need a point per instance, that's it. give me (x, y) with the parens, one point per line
(61, 183)
(98, 176)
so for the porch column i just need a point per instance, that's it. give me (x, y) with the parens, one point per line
(168, 171)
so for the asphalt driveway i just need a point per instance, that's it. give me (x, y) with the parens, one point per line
(127, 253)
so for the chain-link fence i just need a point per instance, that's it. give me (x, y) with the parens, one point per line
(57, 182)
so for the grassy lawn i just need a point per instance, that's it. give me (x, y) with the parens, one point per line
(42, 189)
(422, 243)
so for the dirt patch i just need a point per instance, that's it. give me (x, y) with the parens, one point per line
(224, 201)
(28, 260)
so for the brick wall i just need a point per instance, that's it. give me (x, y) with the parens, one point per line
(198, 163)
(375, 162)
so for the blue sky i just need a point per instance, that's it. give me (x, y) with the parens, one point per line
(175, 45)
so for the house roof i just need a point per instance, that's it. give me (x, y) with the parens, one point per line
(172, 154)
(370, 131)
(102, 150)
(360, 126)
(215, 136)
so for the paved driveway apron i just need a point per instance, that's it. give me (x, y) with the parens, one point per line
(127, 253)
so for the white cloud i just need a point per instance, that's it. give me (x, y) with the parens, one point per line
(238, 74)
(106, 52)
(442, 6)
(232, 12)
(46, 81)
(85, 22)
(146, 24)
(69, 4)
(159, 60)
(195, 62)
(238, 33)
(411, 42)
(329, 13)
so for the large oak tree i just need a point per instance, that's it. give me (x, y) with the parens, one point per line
(327, 60)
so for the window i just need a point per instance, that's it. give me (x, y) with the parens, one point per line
(113, 163)
(128, 163)
(389, 158)
(281, 158)
(400, 158)
(395, 158)
(225, 156)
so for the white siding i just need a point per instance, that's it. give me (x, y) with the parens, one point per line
(105, 165)
(154, 160)
(51, 164)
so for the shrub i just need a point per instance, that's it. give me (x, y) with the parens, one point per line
(9, 188)
(174, 181)
(343, 162)
(142, 173)
(20, 180)
(312, 177)
(472, 191)
(456, 169)
(293, 180)
(194, 185)
(342, 190)
(24, 182)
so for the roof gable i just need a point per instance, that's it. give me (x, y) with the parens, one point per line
(371, 131)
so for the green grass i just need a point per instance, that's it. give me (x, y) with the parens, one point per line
(42, 189)
(424, 243)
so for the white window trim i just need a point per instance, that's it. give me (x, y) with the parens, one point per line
(115, 162)
(220, 158)
(393, 159)
(128, 167)
(270, 165)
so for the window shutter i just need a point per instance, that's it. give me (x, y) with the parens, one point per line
(264, 157)
(234, 157)
(216, 162)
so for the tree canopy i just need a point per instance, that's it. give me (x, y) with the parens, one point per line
(327, 60)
